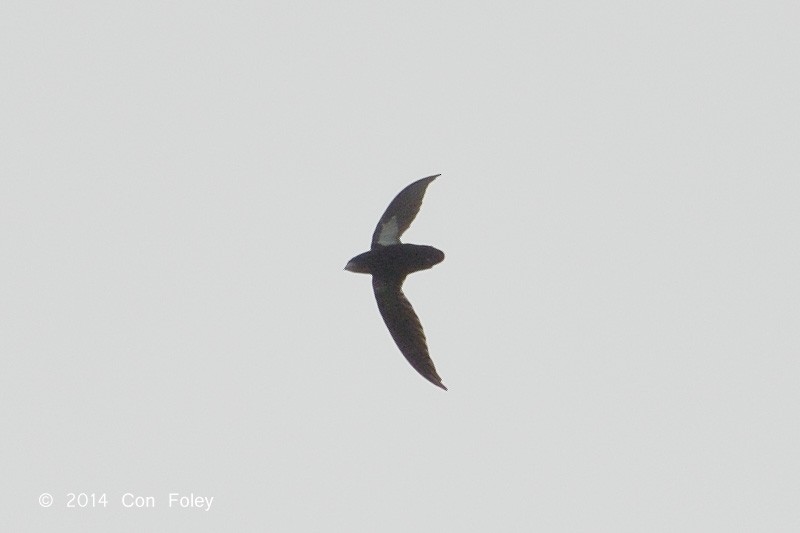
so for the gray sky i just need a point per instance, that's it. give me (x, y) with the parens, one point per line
(616, 319)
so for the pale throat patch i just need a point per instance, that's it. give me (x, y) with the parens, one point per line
(389, 232)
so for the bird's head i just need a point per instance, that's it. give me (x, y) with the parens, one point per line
(359, 264)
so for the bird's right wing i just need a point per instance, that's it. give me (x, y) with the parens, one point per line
(405, 327)
(400, 213)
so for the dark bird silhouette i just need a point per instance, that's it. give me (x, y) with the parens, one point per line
(390, 261)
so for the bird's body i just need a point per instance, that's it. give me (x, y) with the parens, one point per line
(389, 262)
(396, 261)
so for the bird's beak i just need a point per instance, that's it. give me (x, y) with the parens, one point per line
(356, 266)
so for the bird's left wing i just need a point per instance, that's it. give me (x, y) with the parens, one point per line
(400, 213)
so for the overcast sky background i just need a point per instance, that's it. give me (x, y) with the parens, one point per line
(617, 317)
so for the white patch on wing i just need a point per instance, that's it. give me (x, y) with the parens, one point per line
(389, 232)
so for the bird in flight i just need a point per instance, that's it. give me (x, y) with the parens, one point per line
(390, 261)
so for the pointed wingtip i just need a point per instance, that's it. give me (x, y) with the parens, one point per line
(428, 178)
(438, 383)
